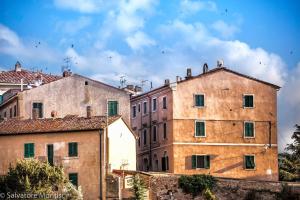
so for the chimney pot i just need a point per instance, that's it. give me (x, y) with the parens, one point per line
(18, 66)
(167, 81)
(178, 78)
(205, 68)
(138, 88)
(53, 114)
(67, 73)
(88, 112)
(130, 87)
(188, 73)
(220, 63)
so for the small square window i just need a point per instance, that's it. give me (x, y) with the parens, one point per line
(248, 101)
(199, 100)
(73, 149)
(200, 129)
(249, 162)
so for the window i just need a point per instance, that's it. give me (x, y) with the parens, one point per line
(200, 129)
(145, 136)
(139, 141)
(39, 109)
(133, 111)
(86, 83)
(154, 104)
(15, 110)
(164, 102)
(73, 149)
(1, 99)
(249, 129)
(4, 114)
(29, 150)
(249, 162)
(248, 101)
(73, 178)
(10, 113)
(165, 163)
(112, 108)
(165, 130)
(139, 107)
(145, 107)
(200, 161)
(199, 100)
(154, 133)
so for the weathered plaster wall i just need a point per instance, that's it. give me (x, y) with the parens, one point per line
(70, 96)
(87, 164)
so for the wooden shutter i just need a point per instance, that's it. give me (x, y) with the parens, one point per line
(202, 129)
(207, 162)
(31, 150)
(194, 157)
(26, 151)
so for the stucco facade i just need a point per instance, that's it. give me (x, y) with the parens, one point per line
(223, 115)
(69, 96)
(87, 163)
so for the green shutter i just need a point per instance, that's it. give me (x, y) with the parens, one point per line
(249, 129)
(199, 100)
(200, 129)
(73, 178)
(194, 162)
(207, 162)
(73, 149)
(26, 151)
(112, 108)
(29, 150)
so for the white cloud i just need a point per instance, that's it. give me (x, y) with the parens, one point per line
(12, 45)
(139, 40)
(226, 30)
(189, 7)
(84, 6)
(73, 26)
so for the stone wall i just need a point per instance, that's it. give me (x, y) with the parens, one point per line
(166, 187)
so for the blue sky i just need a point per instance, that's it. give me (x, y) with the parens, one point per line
(154, 40)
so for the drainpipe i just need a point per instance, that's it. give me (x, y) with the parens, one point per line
(270, 134)
(101, 163)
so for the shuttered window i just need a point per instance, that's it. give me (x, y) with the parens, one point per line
(165, 130)
(199, 100)
(29, 150)
(164, 102)
(249, 129)
(249, 162)
(199, 129)
(200, 161)
(145, 137)
(73, 149)
(39, 108)
(145, 107)
(73, 178)
(248, 101)
(112, 108)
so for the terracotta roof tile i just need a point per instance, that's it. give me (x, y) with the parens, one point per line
(50, 125)
(29, 77)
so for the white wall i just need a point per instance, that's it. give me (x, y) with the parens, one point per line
(122, 146)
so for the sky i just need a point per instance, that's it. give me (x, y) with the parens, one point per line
(153, 40)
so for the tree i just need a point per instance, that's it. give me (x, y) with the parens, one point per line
(138, 187)
(289, 160)
(35, 177)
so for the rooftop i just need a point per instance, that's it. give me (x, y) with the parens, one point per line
(50, 125)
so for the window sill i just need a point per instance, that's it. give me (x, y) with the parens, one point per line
(201, 168)
(200, 136)
(199, 106)
(250, 169)
(248, 107)
(245, 137)
(71, 157)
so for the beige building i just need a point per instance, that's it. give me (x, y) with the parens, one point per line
(76, 143)
(219, 122)
(70, 95)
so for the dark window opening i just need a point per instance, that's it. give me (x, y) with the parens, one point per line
(164, 102)
(39, 108)
(154, 133)
(248, 101)
(200, 161)
(145, 136)
(73, 149)
(199, 100)
(86, 83)
(73, 178)
(249, 162)
(200, 128)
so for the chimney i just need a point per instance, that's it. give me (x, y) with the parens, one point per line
(35, 113)
(178, 78)
(67, 73)
(167, 81)
(138, 88)
(88, 112)
(130, 87)
(18, 67)
(188, 73)
(205, 68)
(220, 63)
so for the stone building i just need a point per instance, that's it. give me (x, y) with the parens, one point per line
(87, 147)
(69, 95)
(219, 122)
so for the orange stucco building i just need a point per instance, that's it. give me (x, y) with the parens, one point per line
(220, 122)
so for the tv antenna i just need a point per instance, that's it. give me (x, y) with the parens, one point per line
(122, 81)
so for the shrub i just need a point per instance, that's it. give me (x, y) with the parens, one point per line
(138, 187)
(196, 184)
(209, 195)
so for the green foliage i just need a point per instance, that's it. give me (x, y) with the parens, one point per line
(71, 193)
(209, 195)
(289, 161)
(35, 177)
(138, 187)
(196, 184)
